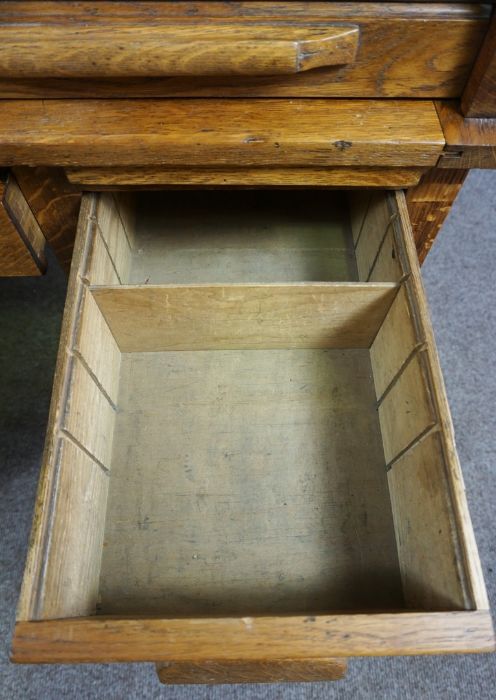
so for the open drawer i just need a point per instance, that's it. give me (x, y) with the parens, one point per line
(250, 454)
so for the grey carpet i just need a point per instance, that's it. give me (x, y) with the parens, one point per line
(461, 282)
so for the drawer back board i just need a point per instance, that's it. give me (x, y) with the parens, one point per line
(264, 49)
(249, 468)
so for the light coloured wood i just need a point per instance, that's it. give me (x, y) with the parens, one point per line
(406, 411)
(129, 51)
(96, 348)
(220, 133)
(261, 671)
(62, 567)
(425, 531)
(372, 234)
(430, 47)
(387, 265)
(114, 234)
(70, 583)
(101, 267)
(469, 558)
(154, 639)
(237, 485)
(358, 206)
(394, 343)
(207, 317)
(114, 178)
(22, 244)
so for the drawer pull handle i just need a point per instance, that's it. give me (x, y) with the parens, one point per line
(82, 52)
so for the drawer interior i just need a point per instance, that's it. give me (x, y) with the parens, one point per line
(249, 422)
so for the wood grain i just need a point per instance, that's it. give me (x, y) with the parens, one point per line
(55, 204)
(240, 133)
(470, 567)
(110, 51)
(470, 143)
(108, 639)
(430, 202)
(479, 95)
(430, 47)
(22, 244)
(425, 533)
(162, 178)
(206, 317)
(62, 569)
(259, 671)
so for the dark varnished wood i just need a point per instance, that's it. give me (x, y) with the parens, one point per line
(55, 204)
(430, 48)
(22, 245)
(103, 52)
(256, 671)
(163, 178)
(470, 143)
(220, 133)
(429, 204)
(479, 96)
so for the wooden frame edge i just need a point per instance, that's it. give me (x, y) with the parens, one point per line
(110, 639)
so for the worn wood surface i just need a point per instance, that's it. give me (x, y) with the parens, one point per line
(424, 527)
(63, 563)
(468, 559)
(430, 47)
(22, 244)
(470, 143)
(430, 202)
(262, 441)
(106, 639)
(232, 133)
(55, 204)
(120, 51)
(207, 317)
(479, 95)
(163, 178)
(258, 671)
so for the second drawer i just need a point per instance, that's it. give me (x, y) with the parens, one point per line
(249, 445)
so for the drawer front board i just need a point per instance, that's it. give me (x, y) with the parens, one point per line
(158, 49)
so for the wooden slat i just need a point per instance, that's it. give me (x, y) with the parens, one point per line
(426, 536)
(55, 203)
(22, 244)
(393, 344)
(406, 411)
(152, 177)
(101, 639)
(470, 143)
(70, 585)
(220, 133)
(97, 349)
(258, 671)
(413, 35)
(71, 491)
(479, 96)
(202, 317)
(474, 581)
(373, 231)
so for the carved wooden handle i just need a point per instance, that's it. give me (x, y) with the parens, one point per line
(180, 50)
